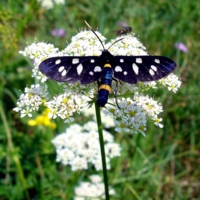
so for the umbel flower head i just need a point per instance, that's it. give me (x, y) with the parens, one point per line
(136, 108)
(79, 147)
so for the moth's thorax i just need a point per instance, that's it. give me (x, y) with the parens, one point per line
(106, 57)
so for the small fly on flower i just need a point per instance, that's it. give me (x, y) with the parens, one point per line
(123, 31)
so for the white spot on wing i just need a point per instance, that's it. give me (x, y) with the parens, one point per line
(135, 68)
(91, 73)
(92, 60)
(57, 61)
(97, 69)
(79, 69)
(60, 69)
(118, 69)
(121, 60)
(64, 72)
(138, 60)
(157, 61)
(151, 72)
(125, 73)
(75, 61)
(154, 68)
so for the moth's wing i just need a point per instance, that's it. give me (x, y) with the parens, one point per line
(132, 69)
(85, 69)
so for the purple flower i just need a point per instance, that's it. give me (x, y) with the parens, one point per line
(58, 32)
(181, 47)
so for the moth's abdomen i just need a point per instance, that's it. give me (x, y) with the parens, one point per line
(105, 86)
(102, 97)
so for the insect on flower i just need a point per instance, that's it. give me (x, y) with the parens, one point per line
(123, 31)
(106, 68)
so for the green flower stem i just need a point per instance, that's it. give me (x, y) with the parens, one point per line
(103, 157)
(11, 149)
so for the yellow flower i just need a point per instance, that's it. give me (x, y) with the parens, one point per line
(42, 120)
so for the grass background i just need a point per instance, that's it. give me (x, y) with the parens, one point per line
(165, 164)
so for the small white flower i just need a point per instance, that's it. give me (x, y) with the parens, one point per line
(157, 122)
(95, 178)
(62, 2)
(65, 155)
(151, 84)
(112, 150)
(49, 4)
(79, 163)
(26, 112)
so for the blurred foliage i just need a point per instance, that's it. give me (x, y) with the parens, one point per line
(165, 164)
(7, 32)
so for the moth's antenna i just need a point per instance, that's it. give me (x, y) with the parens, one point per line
(99, 38)
(95, 34)
(115, 42)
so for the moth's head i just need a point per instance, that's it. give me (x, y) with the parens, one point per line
(106, 57)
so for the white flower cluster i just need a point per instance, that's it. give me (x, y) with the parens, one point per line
(85, 43)
(31, 100)
(93, 190)
(71, 98)
(79, 146)
(128, 46)
(65, 105)
(39, 52)
(49, 4)
(171, 82)
(151, 107)
(129, 118)
(133, 114)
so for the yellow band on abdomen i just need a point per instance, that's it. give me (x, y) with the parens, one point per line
(107, 65)
(105, 87)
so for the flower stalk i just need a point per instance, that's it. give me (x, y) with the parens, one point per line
(103, 157)
(15, 157)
